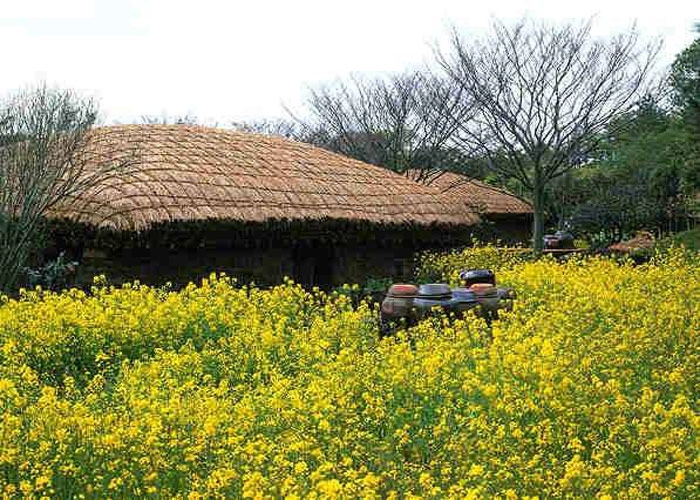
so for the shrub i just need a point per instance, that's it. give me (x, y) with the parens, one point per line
(53, 275)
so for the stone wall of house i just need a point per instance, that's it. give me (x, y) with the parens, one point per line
(313, 259)
(312, 265)
(179, 267)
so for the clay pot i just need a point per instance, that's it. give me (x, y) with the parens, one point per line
(472, 276)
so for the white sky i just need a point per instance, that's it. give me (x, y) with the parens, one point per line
(235, 60)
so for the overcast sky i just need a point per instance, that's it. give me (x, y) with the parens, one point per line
(237, 60)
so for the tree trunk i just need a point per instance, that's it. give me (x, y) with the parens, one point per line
(538, 219)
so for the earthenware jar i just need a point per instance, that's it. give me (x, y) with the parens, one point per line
(432, 295)
(471, 276)
(463, 299)
(399, 300)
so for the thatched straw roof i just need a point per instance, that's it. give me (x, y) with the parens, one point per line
(483, 198)
(184, 172)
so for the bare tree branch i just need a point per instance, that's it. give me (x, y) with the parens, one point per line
(45, 158)
(402, 122)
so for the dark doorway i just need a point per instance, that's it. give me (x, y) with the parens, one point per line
(313, 265)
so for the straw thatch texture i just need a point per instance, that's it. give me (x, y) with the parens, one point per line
(483, 198)
(196, 173)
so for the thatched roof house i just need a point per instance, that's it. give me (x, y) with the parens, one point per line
(186, 173)
(508, 214)
(196, 199)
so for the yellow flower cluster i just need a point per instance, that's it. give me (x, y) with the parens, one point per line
(446, 266)
(588, 389)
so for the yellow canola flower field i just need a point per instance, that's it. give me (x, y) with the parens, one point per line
(588, 389)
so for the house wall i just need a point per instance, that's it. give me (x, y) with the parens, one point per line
(310, 259)
(310, 266)
(181, 267)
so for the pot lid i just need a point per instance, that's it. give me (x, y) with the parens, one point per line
(402, 290)
(476, 273)
(434, 290)
(483, 288)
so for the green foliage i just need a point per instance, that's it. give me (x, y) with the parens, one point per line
(373, 290)
(51, 276)
(685, 80)
(689, 239)
(643, 178)
(373, 285)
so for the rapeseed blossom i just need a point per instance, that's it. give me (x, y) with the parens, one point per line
(588, 388)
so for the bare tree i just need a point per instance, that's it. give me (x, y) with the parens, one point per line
(165, 119)
(401, 122)
(289, 129)
(44, 139)
(545, 96)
